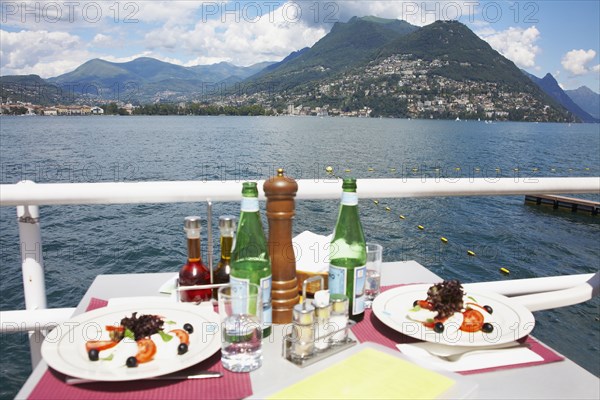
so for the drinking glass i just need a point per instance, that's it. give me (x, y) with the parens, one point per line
(374, 260)
(240, 309)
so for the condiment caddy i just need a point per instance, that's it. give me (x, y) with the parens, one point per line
(319, 328)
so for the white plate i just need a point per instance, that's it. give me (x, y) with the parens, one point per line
(511, 321)
(64, 347)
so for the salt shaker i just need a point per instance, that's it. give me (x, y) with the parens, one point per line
(303, 333)
(339, 317)
(322, 313)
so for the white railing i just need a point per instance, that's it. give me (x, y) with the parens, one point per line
(27, 196)
(308, 189)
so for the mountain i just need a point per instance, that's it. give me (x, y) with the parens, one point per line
(31, 89)
(587, 99)
(147, 79)
(550, 86)
(226, 71)
(469, 56)
(391, 68)
(347, 45)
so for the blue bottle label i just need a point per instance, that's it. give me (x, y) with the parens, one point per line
(265, 285)
(337, 280)
(337, 285)
(265, 288)
(360, 279)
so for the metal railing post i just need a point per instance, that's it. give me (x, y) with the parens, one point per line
(32, 264)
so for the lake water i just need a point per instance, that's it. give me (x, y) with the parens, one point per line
(81, 242)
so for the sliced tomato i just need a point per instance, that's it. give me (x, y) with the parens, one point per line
(425, 304)
(146, 350)
(183, 336)
(113, 328)
(99, 344)
(472, 321)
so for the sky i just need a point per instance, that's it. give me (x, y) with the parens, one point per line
(49, 38)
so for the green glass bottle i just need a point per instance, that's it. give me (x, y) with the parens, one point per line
(348, 253)
(250, 256)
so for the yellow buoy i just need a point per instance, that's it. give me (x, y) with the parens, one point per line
(392, 169)
(415, 169)
(443, 239)
(402, 217)
(504, 271)
(470, 252)
(371, 169)
(457, 169)
(420, 227)
(376, 202)
(348, 170)
(329, 169)
(388, 209)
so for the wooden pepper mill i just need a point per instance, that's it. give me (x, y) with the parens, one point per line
(280, 192)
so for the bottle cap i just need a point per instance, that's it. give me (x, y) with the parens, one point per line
(304, 314)
(249, 189)
(192, 222)
(349, 185)
(226, 222)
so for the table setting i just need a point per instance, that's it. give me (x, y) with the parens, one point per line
(200, 375)
(412, 335)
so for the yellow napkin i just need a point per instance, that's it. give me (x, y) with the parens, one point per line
(369, 374)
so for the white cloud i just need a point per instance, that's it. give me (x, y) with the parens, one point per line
(40, 52)
(418, 13)
(242, 41)
(596, 68)
(102, 40)
(575, 61)
(516, 44)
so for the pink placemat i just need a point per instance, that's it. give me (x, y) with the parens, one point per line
(371, 329)
(230, 386)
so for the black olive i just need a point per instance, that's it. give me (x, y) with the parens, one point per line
(131, 362)
(488, 309)
(415, 303)
(438, 327)
(182, 348)
(94, 354)
(188, 328)
(487, 327)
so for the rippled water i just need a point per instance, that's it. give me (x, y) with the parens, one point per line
(81, 242)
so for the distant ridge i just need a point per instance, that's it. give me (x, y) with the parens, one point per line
(147, 79)
(587, 99)
(549, 85)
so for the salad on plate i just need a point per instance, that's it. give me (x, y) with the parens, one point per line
(140, 339)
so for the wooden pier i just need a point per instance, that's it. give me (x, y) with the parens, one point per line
(565, 203)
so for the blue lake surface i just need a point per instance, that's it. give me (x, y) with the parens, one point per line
(80, 242)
